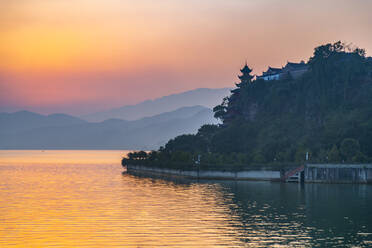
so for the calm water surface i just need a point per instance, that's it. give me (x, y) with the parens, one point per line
(82, 199)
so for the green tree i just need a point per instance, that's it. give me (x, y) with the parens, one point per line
(359, 157)
(349, 148)
(220, 110)
(207, 132)
(259, 158)
(300, 155)
(334, 155)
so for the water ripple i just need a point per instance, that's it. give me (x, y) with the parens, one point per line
(67, 201)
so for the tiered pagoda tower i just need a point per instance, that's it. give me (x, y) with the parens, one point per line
(246, 76)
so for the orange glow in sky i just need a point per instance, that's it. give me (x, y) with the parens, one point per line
(83, 56)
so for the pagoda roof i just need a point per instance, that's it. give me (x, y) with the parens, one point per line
(246, 69)
(245, 76)
(272, 70)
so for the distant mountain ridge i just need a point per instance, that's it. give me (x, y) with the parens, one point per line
(25, 120)
(146, 125)
(202, 96)
(27, 130)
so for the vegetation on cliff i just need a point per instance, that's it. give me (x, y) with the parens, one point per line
(327, 112)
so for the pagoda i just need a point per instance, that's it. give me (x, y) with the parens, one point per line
(246, 76)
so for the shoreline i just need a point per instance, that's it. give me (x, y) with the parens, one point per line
(311, 173)
(252, 175)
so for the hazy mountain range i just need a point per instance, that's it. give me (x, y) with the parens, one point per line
(27, 130)
(203, 97)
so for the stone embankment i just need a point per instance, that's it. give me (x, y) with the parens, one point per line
(265, 175)
(310, 173)
(338, 173)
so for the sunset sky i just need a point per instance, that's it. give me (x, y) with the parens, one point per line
(83, 56)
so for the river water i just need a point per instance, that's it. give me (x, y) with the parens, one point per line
(82, 199)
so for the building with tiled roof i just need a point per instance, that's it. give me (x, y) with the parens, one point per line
(293, 70)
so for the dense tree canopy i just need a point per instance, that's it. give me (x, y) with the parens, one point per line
(327, 112)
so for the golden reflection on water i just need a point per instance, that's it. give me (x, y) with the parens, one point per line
(62, 157)
(94, 205)
(82, 199)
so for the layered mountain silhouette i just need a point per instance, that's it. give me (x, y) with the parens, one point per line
(203, 96)
(27, 130)
(147, 125)
(13, 123)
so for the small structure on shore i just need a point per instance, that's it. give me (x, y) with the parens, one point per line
(290, 70)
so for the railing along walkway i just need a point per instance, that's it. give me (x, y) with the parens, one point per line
(293, 172)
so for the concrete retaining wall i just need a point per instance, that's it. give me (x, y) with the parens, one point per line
(205, 174)
(338, 173)
(313, 173)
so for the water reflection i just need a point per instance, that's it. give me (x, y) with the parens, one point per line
(314, 215)
(77, 203)
(263, 214)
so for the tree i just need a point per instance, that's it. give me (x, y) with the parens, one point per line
(220, 110)
(334, 155)
(300, 155)
(186, 142)
(360, 158)
(141, 155)
(207, 131)
(349, 148)
(259, 158)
